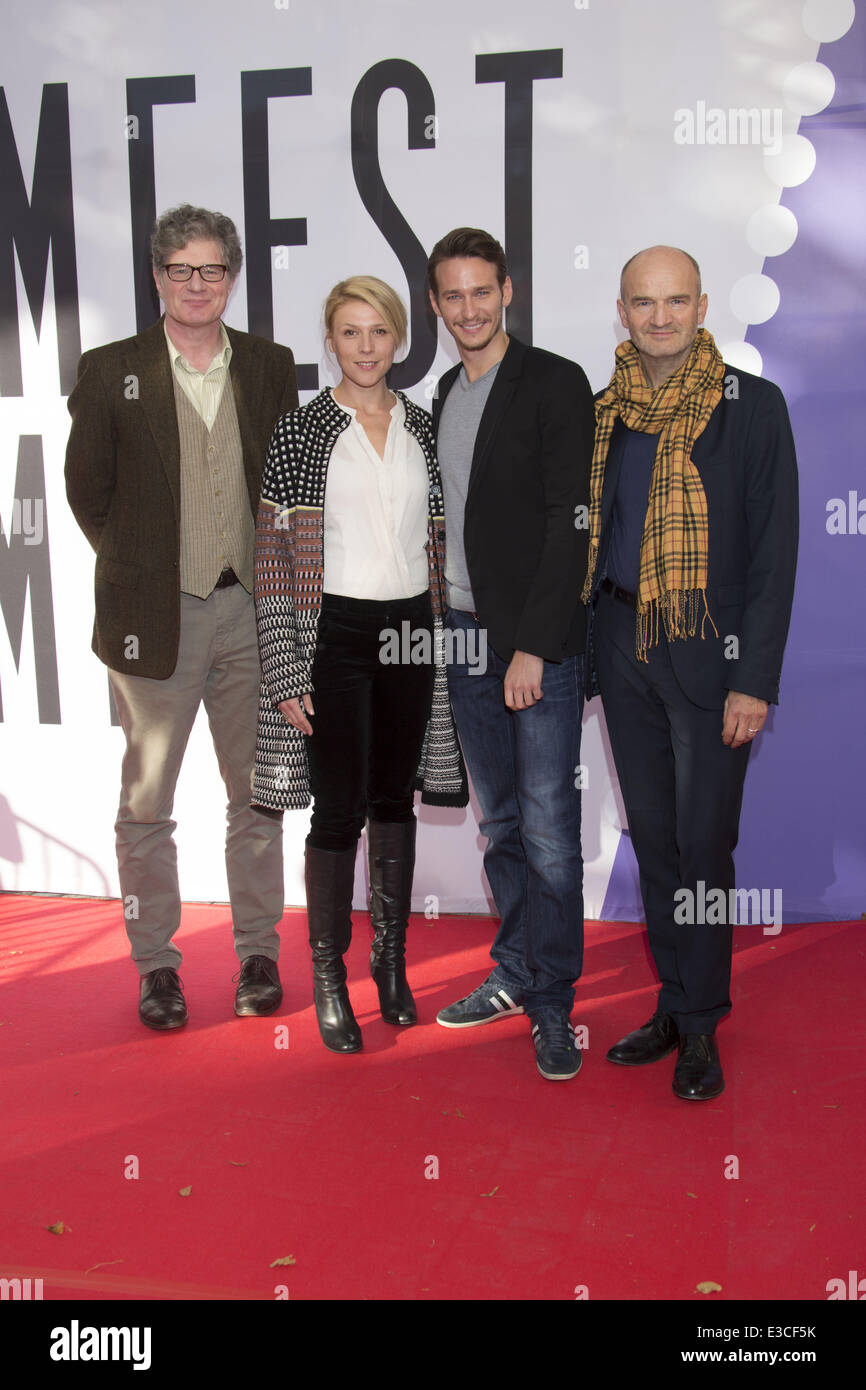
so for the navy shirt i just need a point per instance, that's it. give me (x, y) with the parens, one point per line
(637, 452)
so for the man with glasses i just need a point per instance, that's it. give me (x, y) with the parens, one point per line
(170, 429)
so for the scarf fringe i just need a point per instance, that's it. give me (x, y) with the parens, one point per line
(679, 611)
(590, 573)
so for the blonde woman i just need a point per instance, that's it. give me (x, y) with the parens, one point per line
(350, 548)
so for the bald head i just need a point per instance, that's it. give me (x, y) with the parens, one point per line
(669, 259)
(662, 307)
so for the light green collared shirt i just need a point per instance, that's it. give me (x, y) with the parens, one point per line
(204, 390)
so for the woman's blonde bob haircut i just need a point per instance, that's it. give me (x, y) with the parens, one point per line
(377, 294)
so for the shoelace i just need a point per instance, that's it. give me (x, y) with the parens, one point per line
(166, 979)
(555, 1031)
(256, 970)
(482, 992)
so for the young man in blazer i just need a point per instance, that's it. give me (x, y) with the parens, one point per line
(693, 549)
(170, 429)
(514, 429)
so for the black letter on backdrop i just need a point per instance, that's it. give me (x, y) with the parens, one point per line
(142, 94)
(22, 565)
(420, 105)
(262, 231)
(518, 71)
(31, 228)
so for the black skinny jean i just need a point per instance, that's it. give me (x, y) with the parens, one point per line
(368, 728)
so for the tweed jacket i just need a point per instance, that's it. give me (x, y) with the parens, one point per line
(123, 480)
(289, 566)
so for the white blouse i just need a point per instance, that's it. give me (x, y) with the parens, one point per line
(376, 514)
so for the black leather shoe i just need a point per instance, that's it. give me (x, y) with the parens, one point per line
(647, 1044)
(259, 990)
(698, 1073)
(161, 1003)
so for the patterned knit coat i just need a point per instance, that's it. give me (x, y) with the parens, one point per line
(289, 564)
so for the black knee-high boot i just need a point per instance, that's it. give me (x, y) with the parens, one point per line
(391, 849)
(329, 877)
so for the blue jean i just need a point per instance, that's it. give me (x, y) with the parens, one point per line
(524, 766)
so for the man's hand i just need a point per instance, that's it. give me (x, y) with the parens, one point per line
(295, 713)
(743, 717)
(523, 681)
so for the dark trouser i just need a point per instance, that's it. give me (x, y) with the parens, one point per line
(683, 789)
(525, 769)
(370, 716)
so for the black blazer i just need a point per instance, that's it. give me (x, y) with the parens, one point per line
(530, 472)
(748, 468)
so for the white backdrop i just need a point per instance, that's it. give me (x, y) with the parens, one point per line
(609, 177)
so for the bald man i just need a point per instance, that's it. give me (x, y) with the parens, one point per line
(693, 544)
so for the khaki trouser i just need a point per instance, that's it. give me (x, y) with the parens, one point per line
(218, 662)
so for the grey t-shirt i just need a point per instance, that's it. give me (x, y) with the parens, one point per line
(458, 427)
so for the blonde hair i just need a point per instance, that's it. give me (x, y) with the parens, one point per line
(377, 294)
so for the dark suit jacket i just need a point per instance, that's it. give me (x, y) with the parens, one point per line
(123, 479)
(530, 471)
(748, 468)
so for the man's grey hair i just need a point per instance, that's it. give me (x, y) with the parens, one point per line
(182, 224)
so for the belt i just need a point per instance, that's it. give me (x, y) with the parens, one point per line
(226, 579)
(622, 594)
(375, 607)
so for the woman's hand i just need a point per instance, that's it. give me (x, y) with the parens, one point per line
(295, 713)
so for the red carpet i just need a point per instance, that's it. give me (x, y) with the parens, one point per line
(607, 1182)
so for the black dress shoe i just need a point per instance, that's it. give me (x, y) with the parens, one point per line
(647, 1044)
(259, 990)
(161, 1003)
(698, 1073)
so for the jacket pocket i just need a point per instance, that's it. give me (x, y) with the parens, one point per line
(123, 573)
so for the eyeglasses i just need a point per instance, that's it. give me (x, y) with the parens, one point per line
(179, 271)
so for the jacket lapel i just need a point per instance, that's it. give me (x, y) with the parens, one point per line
(613, 465)
(160, 409)
(445, 384)
(156, 397)
(247, 386)
(501, 392)
(611, 473)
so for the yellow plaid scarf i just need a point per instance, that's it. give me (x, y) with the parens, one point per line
(675, 543)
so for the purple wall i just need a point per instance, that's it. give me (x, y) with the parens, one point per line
(802, 828)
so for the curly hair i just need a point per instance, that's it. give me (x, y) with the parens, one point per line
(175, 228)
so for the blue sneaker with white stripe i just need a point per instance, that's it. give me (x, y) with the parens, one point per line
(557, 1054)
(485, 1004)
